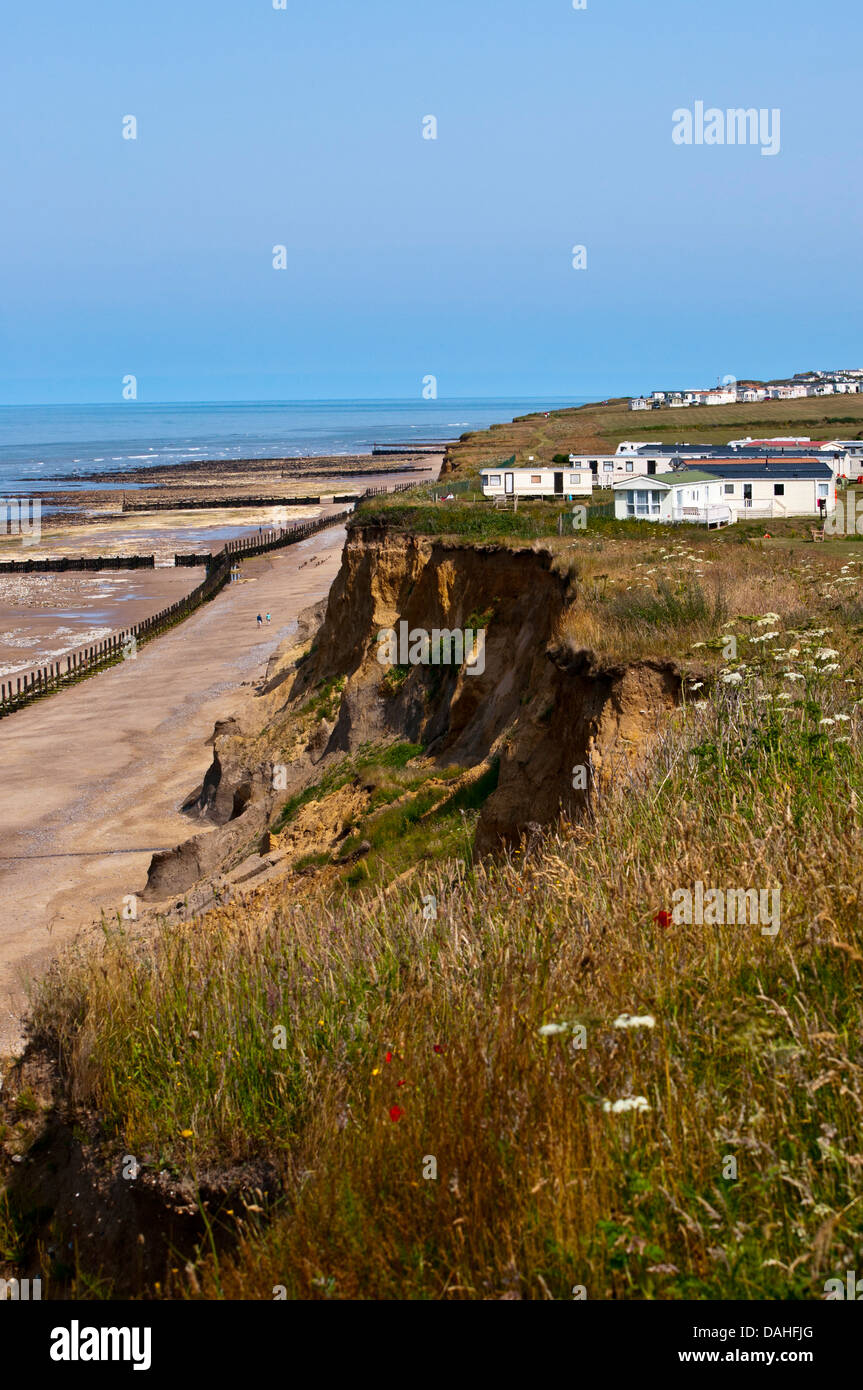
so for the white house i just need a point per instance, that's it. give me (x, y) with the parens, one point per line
(775, 487)
(726, 396)
(785, 392)
(640, 403)
(716, 492)
(686, 496)
(537, 481)
(607, 468)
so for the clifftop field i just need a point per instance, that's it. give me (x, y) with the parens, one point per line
(603, 426)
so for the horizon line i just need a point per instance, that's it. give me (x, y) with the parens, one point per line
(292, 400)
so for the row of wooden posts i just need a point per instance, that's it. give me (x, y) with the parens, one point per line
(124, 644)
(64, 563)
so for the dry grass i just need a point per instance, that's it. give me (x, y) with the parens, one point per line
(755, 1054)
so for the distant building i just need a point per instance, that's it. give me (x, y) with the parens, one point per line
(538, 481)
(639, 403)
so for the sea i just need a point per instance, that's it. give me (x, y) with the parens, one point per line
(61, 443)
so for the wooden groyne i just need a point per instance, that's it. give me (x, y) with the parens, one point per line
(123, 645)
(194, 504)
(65, 563)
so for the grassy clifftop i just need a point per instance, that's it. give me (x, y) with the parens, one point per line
(602, 426)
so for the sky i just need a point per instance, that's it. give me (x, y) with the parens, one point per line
(408, 257)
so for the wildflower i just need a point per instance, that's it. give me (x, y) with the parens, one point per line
(619, 1107)
(826, 721)
(793, 676)
(784, 696)
(438, 1047)
(634, 1021)
(701, 704)
(185, 1134)
(396, 1113)
(843, 717)
(389, 1057)
(831, 667)
(825, 653)
(400, 1083)
(376, 1071)
(696, 685)
(662, 918)
(549, 1030)
(732, 678)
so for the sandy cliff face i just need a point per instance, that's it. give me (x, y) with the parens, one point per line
(541, 708)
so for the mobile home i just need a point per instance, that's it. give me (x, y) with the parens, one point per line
(689, 495)
(565, 483)
(775, 487)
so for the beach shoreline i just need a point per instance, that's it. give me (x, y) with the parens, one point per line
(44, 617)
(92, 781)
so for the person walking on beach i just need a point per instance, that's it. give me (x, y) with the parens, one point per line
(268, 617)
(260, 621)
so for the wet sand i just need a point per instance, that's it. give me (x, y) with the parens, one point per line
(45, 616)
(91, 780)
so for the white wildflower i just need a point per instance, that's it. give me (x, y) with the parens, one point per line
(619, 1107)
(634, 1021)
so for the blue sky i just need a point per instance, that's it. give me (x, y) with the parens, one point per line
(408, 257)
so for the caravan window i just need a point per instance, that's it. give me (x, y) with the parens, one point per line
(642, 502)
(536, 477)
(493, 480)
(629, 468)
(575, 480)
(778, 489)
(608, 468)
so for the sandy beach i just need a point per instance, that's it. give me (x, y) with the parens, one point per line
(91, 780)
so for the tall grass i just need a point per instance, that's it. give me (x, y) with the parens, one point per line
(414, 1035)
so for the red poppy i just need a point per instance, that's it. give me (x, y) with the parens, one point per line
(438, 1047)
(400, 1083)
(389, 1057)
(662, 918)
(396, 1113)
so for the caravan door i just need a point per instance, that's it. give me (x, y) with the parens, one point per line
(508, 479)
